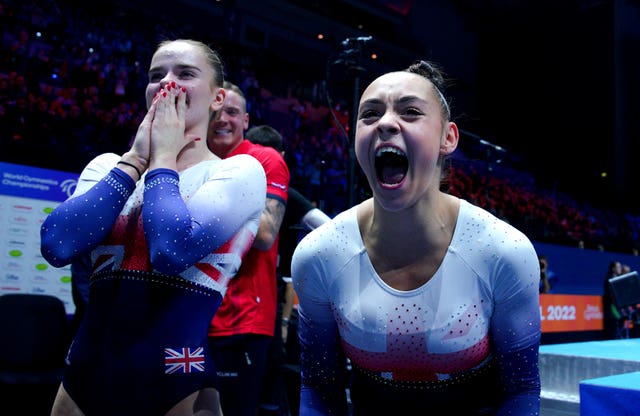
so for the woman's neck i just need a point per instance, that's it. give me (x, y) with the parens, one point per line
(194, 153)
(425, 223)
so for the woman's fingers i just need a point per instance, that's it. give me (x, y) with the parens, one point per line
(181, 105)
(141, 142)
(168, 126)
(168, 114)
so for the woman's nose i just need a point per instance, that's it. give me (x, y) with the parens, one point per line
(388, 123)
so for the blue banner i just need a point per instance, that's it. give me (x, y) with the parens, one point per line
(36, 183)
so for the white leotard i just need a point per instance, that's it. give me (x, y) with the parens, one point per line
(481, 302)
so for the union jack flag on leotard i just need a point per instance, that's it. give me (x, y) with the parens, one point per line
(183, 360)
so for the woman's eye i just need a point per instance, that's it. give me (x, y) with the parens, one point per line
(368, 114)
(412, 111)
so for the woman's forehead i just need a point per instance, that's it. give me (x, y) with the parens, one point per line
(398, 84)
(179, 51)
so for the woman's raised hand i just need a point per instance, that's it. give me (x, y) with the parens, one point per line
(139, 153)
(168, 126)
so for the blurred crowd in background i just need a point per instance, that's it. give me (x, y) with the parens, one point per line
(71, 82)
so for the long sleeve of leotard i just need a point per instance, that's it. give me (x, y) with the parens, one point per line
(323, 365)
(180, 233)
(516, 332)
(522, 395)
(79, 224)
(325, 395)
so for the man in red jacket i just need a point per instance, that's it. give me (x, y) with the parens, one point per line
(243, 326)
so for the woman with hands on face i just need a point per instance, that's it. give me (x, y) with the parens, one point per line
(166, 229)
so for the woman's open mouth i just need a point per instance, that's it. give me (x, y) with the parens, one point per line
(391, 165)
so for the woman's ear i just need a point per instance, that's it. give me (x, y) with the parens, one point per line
(450, 139)
(218, 100)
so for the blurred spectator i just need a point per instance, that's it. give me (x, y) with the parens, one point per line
(610, 312)
(545, 285)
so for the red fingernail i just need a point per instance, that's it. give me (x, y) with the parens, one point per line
(173, 84)
(164, 94)
(183, 89)
(197, 139)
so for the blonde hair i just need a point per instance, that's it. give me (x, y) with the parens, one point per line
(213, 58)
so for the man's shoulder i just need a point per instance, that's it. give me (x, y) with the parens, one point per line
(260, 152)
(274, 165)
(270, 159)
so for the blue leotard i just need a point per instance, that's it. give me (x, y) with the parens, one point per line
(163, 251)
(466, 342)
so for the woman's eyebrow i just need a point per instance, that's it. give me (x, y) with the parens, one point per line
(409, 98)
(179, 67)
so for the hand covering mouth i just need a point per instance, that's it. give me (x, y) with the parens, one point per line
(391, 165)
